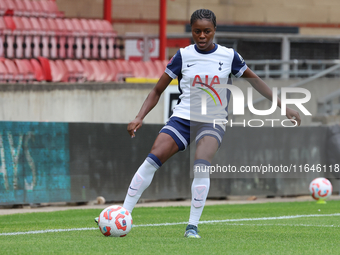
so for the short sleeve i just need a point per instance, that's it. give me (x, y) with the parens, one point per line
(174, 67)
(238, 65)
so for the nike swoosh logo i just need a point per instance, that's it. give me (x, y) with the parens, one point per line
(190, 65)
(132, 188)
(198, 199)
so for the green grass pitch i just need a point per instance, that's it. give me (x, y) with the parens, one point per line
(251, 229)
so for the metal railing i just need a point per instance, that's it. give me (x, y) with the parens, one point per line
(296, 68)
(281, 68)
(325, 104)
(330, 104)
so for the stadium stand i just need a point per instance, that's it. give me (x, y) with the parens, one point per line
(38, 44)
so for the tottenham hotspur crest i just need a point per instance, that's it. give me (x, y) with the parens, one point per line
(221, 64)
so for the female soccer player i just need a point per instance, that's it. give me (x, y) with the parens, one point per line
(201, 65)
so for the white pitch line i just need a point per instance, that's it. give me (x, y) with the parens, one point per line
(201, 222)
(285, 225)
(245, 219)
(45, 231)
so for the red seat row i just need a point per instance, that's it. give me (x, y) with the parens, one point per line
(30, 37)
(42, 69)
(146, 69)
(30, 8)
(82, 70)
(104, 70)
(23, 70)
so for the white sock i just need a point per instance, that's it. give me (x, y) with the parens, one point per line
(199, 190)
(141, 180)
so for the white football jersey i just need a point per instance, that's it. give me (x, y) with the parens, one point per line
(198, 73)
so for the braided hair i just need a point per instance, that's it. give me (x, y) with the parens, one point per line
(203, 14)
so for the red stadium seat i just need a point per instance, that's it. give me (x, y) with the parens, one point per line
(137, 71)
(45, 7)
(13, 74)
(47, 12)
(50, 8)
(38, 71)
(127, 68)
(3, 7)
(124, 69)
(23, 69)
(152, 70)
(56, 73)
(29, 10)
(143, 68)
(71, 70)
(28, 64)
(37, 9)
(113, 69)
(63, 69)
(3, 73)
(88, 70)
(106, 69)
(29, 68)
(80, 70)
(26, 8)
(99, 74)
(160, 67)
(54, 8)
(75, 70)
(20, 8)
(120, 75)
(11, 6)
(46, 68)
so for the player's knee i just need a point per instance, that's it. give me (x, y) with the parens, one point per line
(164, 147)
(154, 160)
(206, 148)
(201, 169)
(161, 154)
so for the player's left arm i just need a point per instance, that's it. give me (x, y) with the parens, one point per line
(265, 91)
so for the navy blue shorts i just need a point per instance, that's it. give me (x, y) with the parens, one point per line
(179, 129)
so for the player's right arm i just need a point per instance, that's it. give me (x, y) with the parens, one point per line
(149, 103)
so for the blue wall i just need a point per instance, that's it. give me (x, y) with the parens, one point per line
(34, 162)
